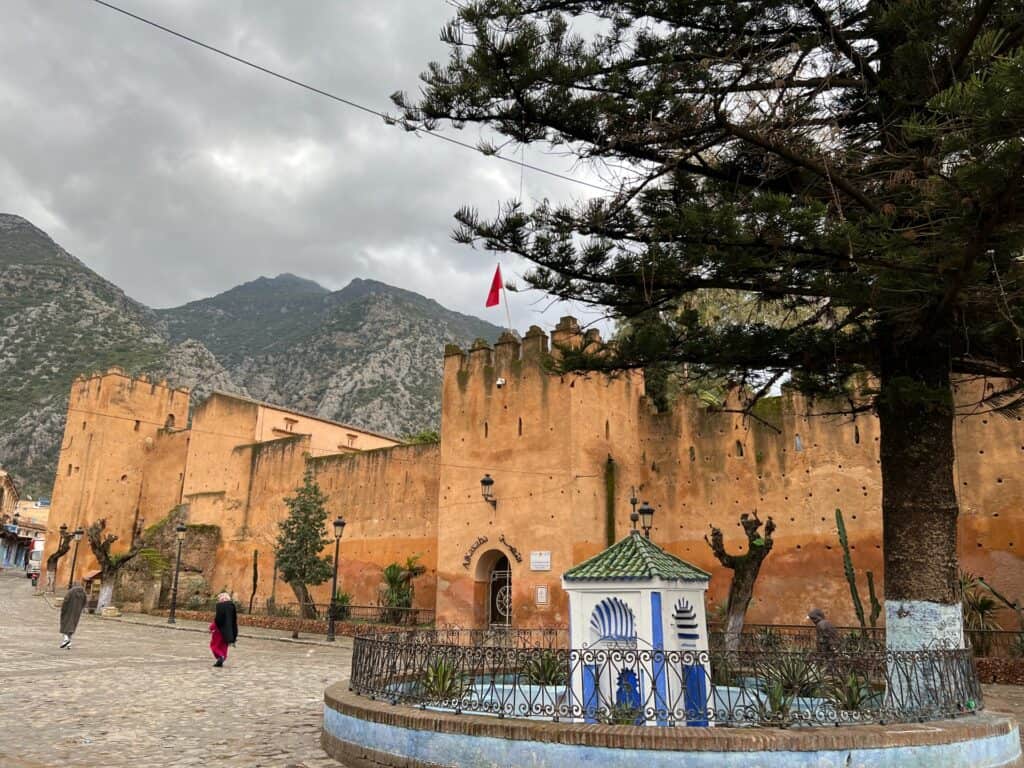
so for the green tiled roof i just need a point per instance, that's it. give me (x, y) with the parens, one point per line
(635, 558)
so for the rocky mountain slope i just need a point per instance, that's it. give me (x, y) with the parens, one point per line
(369, 354)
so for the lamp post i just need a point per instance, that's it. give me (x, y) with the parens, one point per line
(487, 490)
(74, 559)
(339, 528)
(646, 518)
(179, 532)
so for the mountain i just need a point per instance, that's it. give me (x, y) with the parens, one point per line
(369, 354)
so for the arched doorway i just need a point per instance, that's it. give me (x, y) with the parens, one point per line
(494, 576)
(499, 598)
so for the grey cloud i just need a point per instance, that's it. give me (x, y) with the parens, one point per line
(176, 173)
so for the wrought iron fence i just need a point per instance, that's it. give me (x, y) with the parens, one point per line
(370, 614)
(796, 637)
(987, 643)
(524, 674)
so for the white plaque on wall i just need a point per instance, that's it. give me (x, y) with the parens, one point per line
(540, 561)
(541, 595)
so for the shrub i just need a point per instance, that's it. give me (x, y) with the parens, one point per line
(341, 606)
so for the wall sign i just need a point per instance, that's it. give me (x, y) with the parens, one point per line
(540, 595)
(473, 548)
(540, 561)
(513, 550)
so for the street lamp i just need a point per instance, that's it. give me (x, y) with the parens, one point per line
(487, 490)
(74, 559)
(646, 518)
(339, 528)
(179, 531)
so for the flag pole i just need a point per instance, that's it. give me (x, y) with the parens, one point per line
(508, 313)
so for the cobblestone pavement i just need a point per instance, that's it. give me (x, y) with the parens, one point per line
(143, 695)
(136, 695)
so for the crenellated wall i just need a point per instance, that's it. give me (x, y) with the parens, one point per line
(563, 451)
(116, 426)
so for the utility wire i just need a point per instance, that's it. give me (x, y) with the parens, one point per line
(348, 102)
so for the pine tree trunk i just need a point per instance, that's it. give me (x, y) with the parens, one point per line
(919, 504)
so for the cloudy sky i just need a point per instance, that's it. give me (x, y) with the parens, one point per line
(177, 173)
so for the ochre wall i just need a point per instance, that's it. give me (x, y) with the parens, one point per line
(564, 452)
(115, 425)
(388, 499)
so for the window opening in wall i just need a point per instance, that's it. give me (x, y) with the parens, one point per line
(83, 425)
(798, 443)
(607, 430)
(520, 426)
(289, 424)
(485, 429)
(169, 423)
(739, 449)
(856, 434)
(137, 425)
(69, 469)
(124, 478)
(693, 453)
(351, 439)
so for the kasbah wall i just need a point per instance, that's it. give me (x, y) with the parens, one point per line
(564, 452)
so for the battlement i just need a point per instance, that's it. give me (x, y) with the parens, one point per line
(511, 352)
(84, 384)
(116, 393)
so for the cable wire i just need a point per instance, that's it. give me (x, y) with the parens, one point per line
(348, 102)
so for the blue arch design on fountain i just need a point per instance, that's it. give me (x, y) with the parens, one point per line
(613, 620)
(685, 618)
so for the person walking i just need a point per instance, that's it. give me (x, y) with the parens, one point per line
(224, 629)
(70, 613)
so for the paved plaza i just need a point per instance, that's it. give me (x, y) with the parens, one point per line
(137, 695)
(140, 694)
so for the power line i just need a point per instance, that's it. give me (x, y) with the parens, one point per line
(348, 102)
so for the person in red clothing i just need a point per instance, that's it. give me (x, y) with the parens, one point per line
(224, 629)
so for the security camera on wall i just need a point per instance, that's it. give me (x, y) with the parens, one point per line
(500, 383)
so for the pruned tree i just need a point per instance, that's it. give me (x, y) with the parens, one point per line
(301, 538)
(854, 168)
(63, 547)
(111, 563)
(745, 569)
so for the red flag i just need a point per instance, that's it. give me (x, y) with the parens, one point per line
(494, 296)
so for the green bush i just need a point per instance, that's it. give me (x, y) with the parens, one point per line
(341, 606)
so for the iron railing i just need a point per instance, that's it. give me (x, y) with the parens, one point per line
(524, 674)
(987, 643)
(369, 614)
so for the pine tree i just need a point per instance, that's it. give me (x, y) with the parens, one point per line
(301, 537)
(855, 165)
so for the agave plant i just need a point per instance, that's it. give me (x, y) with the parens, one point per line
(794, 675)
(546, 668)
(442, 681)
(848, 692)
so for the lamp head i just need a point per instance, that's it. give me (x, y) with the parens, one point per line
(339, 526)
(646, 518)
